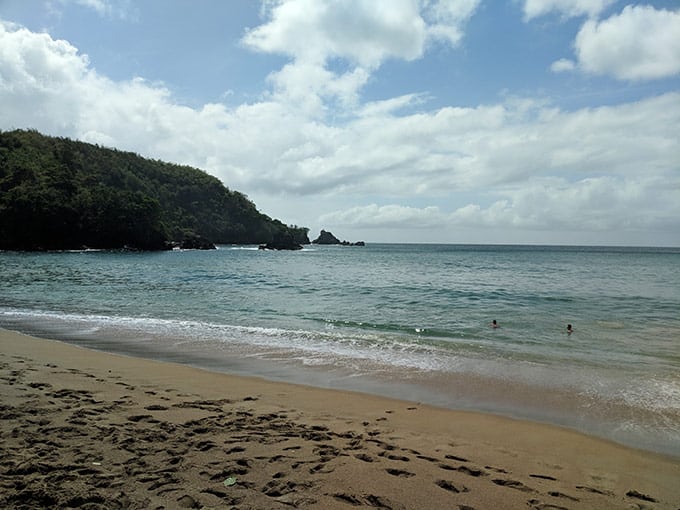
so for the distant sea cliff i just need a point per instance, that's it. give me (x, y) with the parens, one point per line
(60, 194)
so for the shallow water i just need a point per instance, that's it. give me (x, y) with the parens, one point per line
(409, 321)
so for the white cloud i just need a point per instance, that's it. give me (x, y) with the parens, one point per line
(310, 86)
(447, 19)
(121, 9)
(562, 65)
(640, 43)
(537, 166)
(593, 204)
(389, 106)
(101, 6)
(566, 8)
(387, 216)
(40, 78)
(361, 33)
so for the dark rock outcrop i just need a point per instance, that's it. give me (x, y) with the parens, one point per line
(328, 238)
(196, 243)
(282, 242)
(280, 246)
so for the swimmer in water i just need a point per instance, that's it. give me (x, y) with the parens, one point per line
(569, 329)
(494, 324)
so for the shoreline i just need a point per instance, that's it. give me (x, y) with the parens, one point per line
(465, 391)
(84, 427)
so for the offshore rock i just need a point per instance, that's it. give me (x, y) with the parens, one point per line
(280, 246)
(328, 238)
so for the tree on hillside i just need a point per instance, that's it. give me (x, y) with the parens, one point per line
(57, 193)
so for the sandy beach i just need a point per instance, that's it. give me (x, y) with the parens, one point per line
(86, 429)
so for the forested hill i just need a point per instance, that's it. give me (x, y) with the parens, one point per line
(57, 193)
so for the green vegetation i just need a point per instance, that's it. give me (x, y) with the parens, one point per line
(57, 193)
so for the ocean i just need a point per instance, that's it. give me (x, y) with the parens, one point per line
(401, 320)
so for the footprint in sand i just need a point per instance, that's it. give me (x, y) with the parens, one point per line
(496, 469)
(347, 498)
(369, 500)
(449, 486)
(321, 468)
(204, 446)
(399, 458)
(638, 495)
(235, 449)
(156, 407)
(471, 471)
(544, 477)
(383, 445)
(187, 501)
(429, 459)
(513, 484)
(229, 471)
(278, 488)
(142, 418)
(556, 494)
(454, 457)
(39, 385)
(539, 505)
(594, 490)
(399, 472)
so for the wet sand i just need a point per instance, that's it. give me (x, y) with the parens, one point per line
(86, 429)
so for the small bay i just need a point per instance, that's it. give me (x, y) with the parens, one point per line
(408, 321)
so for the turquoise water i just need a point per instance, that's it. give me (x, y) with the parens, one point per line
(409, 321)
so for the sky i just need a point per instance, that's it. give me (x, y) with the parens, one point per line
(462, 121)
